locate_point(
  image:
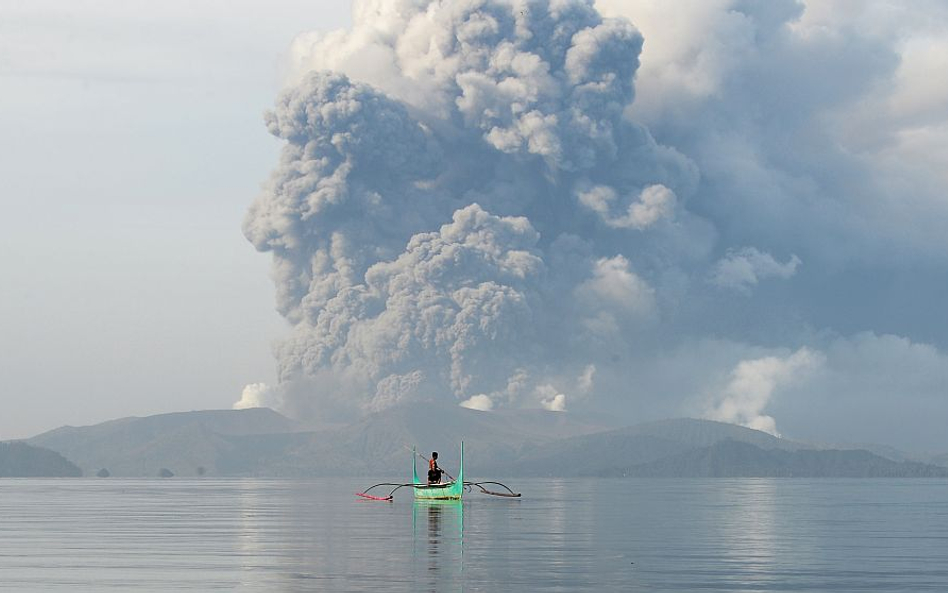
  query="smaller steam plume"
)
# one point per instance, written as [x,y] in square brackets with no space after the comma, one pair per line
[254,395]
[752,384]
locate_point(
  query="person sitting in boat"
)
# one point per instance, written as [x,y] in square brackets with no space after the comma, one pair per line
[434,472]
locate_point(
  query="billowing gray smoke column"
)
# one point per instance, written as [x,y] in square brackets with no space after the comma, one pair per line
[468,229]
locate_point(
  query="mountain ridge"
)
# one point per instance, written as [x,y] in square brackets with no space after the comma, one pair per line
[261,442]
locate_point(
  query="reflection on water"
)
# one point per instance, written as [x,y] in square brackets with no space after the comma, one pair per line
[564,535]
[249,542]
[438,543]
[748,517]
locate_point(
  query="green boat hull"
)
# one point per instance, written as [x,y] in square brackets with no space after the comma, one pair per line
[449,491]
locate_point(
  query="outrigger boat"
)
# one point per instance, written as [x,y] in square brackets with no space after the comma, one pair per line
[452,490]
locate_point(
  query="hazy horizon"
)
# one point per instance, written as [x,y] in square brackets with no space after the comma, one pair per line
[725,210]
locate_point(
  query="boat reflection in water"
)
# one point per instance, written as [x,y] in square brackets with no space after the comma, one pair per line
[438,544]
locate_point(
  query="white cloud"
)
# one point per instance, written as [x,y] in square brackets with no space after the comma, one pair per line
[616,289]
[742,269]
[654,203]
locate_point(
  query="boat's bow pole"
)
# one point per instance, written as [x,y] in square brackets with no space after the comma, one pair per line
[426,460]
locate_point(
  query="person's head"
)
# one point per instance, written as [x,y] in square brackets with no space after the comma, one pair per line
[434,454]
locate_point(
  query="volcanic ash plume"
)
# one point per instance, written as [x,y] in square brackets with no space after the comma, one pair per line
[459,206]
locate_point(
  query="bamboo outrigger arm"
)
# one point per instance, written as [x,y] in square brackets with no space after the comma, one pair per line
[509,494]
[365,493]
[468,485]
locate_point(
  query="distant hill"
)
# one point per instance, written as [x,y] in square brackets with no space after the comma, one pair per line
[141,446]
[598,454]
[890,452]
[20,460]
[261,442]
[730,458]
[939,460]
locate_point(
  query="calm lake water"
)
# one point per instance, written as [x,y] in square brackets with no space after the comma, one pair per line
[564,535]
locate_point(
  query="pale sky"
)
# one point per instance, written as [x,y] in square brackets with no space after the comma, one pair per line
[476,207]
[131,143]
